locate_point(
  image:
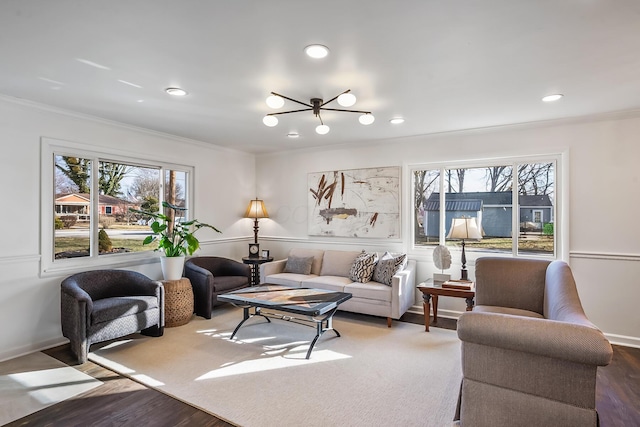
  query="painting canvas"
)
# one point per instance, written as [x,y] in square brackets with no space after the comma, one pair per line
[355,203]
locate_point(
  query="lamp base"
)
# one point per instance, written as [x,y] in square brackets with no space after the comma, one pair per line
[463,274]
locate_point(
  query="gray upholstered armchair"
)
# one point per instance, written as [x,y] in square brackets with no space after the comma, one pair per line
[211,276]
[101,305]
[529,353]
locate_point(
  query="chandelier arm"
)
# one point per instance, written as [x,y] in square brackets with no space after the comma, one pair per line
[292,111]
[346,111]
[335,97]
[291,99]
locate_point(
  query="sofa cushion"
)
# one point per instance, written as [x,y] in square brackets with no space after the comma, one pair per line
[338,263]
[329,283]
[362,267]
[370,291]
[288,279]
[298,265]
[315,253]
[387,267]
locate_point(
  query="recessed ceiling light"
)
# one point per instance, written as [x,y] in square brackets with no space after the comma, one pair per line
[293,135]
[551,98]
[175,91]
[397,120]
[316,51]
[140,100]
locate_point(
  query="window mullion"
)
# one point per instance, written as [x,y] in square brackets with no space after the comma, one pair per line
[515,209]
[94,219]
[443,210]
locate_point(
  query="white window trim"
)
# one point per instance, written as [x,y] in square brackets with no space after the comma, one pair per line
[560,211]
[51,147]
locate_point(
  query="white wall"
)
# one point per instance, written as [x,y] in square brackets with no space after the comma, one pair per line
[602,156]
[29,304]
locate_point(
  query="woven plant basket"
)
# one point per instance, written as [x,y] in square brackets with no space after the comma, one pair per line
[178,302]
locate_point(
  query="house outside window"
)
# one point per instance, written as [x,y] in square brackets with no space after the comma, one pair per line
[88,204]
[511,202]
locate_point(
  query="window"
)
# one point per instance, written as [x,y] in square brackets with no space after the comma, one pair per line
[505,199]
[87,202]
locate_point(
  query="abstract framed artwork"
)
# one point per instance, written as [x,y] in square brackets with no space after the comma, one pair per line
[355,203]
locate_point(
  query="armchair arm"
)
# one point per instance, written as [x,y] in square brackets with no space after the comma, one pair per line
[544,337]
[403,292]
[202,284]
[273,267]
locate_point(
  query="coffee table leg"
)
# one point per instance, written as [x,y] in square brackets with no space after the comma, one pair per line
[246,315]
[321,329]
[426,298]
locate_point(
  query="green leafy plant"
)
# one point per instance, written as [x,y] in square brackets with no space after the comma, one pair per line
[104,241]
[548,229]
[175,238]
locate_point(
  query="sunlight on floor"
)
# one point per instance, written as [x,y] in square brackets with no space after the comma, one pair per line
[269,362]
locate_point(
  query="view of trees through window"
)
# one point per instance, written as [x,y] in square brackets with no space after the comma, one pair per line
[119,187]
[485,194]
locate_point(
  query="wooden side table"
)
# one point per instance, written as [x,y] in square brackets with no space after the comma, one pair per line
[254,263]
[430,292]
[178,302]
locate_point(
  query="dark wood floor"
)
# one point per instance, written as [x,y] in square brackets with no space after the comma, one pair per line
[121,401]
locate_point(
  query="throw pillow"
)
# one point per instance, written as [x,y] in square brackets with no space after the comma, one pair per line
[387,267]
[298,265]
[362,268]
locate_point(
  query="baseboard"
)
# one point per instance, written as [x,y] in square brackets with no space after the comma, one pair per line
[623,340]
[31,348]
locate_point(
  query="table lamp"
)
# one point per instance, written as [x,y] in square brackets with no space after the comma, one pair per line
[255,210]
[464,228]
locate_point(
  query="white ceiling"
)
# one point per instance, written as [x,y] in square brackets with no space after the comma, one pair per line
[442,65]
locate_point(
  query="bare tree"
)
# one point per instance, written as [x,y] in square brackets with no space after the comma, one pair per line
[111,176]
[536,179]
[499,179]
[77,170]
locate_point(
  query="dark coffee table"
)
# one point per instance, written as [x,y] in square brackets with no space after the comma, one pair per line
[307,306]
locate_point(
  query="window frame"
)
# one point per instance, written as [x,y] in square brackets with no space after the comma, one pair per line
[53,147]
[559,213]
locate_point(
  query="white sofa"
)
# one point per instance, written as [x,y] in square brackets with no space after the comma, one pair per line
[330,271]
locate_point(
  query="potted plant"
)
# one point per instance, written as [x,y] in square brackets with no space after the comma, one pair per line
[175,238]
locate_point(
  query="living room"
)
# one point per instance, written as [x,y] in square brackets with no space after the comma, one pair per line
[597,152]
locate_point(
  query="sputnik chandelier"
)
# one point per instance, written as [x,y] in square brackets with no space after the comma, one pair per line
[345,99]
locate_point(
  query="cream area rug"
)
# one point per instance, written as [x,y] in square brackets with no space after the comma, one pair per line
[33,382]
[370,376]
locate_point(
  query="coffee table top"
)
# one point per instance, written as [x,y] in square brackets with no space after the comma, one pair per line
[305,301]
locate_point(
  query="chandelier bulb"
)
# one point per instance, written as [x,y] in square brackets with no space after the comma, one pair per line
[270,121]
[347,99]
[366,119]
[275,101]
[322,129]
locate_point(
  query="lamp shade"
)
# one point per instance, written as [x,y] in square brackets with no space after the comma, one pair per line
[464,228]
[256,209]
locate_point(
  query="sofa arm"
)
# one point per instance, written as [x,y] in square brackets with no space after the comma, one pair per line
[273,267]
[544,337]
[403,292]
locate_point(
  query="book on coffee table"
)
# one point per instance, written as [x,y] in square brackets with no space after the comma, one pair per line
[458,284]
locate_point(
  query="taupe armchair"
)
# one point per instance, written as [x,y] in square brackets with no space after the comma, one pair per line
[529,353]
[101,305]
[211,276]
